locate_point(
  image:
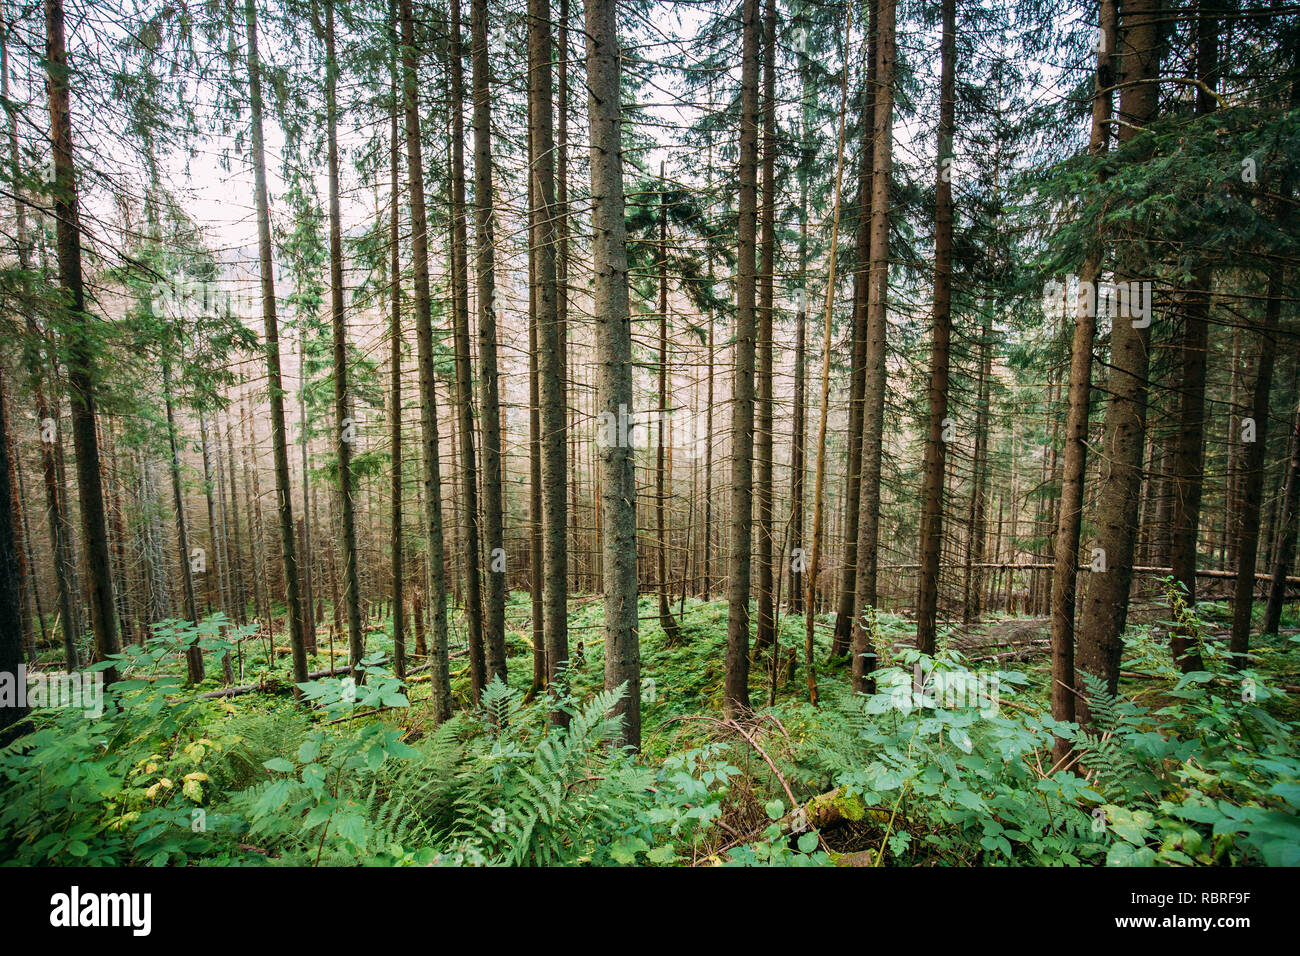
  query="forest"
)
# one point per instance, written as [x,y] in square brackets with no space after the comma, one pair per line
[655,433]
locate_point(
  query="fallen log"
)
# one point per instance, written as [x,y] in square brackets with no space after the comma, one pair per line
[830,809]
[273,686]
[859,858]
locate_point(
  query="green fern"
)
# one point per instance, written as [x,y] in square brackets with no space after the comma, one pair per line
[548,796]
[1103,750]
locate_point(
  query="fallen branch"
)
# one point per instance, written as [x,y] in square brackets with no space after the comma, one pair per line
[271,686]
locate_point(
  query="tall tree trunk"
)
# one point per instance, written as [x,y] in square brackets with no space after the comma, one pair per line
[843,636]
[535,562]
[47,412]
[1255,455]
[708,426]
[550,365]
[976,516]
[819,475]
[22,543]
[798,455]
[1243,373]
[345,427]
[239,588]
[1188,459]
[799,424]
[766,295]
[927,598]
[226,560]
[312,610]
[1075,460]
[215,558]
[562,261]
[873,411]
[1286,546]
[736,678]
[1253,476]
[253,489]
[614,353]
[11,646]
[395,543]
[670,629]
[275,388]
[79,343]
[193,655]
[489,395]
[435,565]
[1100,639]
[464,375]
[65,572]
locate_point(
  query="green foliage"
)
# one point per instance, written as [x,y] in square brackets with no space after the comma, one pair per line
[956,785]
[537,793]
[1196,769]
[129,786]
[774,847]
[1208,777]
[1105,750]
[318,792]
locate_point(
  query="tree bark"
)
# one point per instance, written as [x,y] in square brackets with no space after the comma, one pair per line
[11,645]
[22,542]
[1100,638]
[1252,483]
[238,585]
[736,678]
[819,475]
[193,655]
[666,621]
[799,423]
[1287,529]
[1075,460]
[874,394]
[614,353]
[535,520]
[489,395]
[550,364]
[707,589]
[927,598]
[464,375]
[766,294]
[396,542]
[80,350]
[47,411]
[435,565]
[1188,459]
[345,427]
[297,627]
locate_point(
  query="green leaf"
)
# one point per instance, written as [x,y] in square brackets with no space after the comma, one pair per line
[662,855]
[626,849]
[316,816]
[1290,792]
[309,750]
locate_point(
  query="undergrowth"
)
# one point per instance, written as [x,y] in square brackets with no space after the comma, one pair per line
[945,763]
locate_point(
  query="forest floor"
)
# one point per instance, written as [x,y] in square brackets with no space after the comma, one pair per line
[949,762]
